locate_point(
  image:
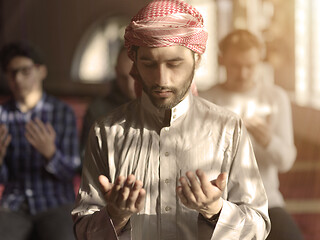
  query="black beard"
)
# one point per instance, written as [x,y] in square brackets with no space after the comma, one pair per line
[178,94]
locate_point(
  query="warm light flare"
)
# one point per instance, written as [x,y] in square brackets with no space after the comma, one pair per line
[302,47]
[94,64]
[316,47]
[307,22]
[206,73]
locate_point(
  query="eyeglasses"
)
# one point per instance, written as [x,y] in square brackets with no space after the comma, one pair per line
[25,71]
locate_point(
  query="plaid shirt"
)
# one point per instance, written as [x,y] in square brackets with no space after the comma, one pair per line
[27,175]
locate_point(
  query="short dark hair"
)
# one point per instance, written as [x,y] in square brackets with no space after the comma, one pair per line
[19,49]
[240,39]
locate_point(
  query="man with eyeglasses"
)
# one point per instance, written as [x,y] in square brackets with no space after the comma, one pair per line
[38,152]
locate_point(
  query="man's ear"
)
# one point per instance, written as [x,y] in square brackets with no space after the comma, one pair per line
[135,55]
[116,68]
[197,59]
[43,71]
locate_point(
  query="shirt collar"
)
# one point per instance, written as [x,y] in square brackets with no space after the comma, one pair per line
[175,113]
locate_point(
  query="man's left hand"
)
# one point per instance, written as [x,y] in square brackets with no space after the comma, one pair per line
[259,129]
[42,137]
[198,193]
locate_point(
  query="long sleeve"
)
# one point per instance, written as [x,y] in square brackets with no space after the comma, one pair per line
[66,159]
[244,213]
[94,227]
[281,151]
[97,224]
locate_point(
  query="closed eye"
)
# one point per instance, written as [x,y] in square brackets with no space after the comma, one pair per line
[175,63]
[148,63]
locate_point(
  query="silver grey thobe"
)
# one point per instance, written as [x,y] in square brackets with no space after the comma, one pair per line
[200,135]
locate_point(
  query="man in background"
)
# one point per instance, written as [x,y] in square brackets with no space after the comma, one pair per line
[122,91]
[38,152]
[266,111]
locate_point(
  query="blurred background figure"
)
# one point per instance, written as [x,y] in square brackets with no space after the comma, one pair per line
[38,152]
[122,91]
[266,112]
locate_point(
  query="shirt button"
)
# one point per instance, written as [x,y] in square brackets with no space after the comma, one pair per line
[167,181]
[174,116]
[166,128]
[167,208]
[166,154]
[29,192]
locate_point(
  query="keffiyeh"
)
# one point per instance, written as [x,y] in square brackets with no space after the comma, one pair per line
[164,23]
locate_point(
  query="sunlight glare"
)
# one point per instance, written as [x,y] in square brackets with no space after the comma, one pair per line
[94,64]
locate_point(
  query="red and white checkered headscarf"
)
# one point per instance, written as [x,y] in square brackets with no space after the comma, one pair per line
[164,23]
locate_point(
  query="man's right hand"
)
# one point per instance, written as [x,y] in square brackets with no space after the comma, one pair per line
[124,198]
[5,139]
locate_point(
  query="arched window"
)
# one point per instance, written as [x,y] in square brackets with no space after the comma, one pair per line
[96,54]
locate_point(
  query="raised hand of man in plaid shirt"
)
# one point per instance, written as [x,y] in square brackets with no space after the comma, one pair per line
[5,139]
[42,137]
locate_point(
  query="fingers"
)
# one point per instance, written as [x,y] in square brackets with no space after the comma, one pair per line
[138,197]
[205,183]
[32,131]
[115,191]
[126,194]
[186,190]
[40,125]
[3,131]
[141,199]
[200,189]
[7,141]
[125,191]
[257,124]
[194,183]
[260,130]
[105,184]
[221,181]
[183,199]
[36,128]
[50,129]
[5,138]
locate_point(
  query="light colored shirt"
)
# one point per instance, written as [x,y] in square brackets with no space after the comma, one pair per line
[272,104]
[200,135]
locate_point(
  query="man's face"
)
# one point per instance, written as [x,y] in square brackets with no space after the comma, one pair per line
[240,67]
[24,77]
[166,73]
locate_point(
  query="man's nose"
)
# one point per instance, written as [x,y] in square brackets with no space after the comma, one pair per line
[162,75]
[17,76]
